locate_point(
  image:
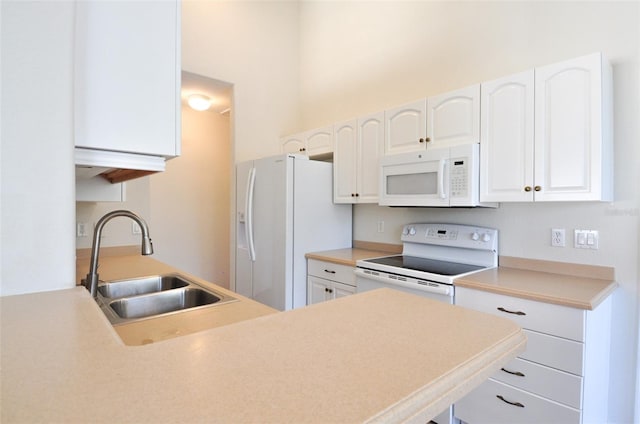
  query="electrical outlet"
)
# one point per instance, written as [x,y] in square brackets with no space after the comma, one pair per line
[135,228]
[586,239]
[82,230]
[557,237]
[381,226]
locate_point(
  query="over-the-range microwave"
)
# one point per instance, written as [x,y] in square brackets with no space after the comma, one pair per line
[439,177]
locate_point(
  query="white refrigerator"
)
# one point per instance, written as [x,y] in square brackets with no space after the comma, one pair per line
[284,209]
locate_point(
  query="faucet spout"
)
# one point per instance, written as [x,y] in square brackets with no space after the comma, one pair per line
[91,282]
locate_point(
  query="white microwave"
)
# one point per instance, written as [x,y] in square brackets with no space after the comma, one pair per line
[440,177]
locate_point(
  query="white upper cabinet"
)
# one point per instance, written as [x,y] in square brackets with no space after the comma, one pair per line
[319,141]
[506,148]
[312,143]
[406,128]
[292,143]
[547,134]
[345,167]
[370,150]
[358,146]
[127,81]
[454,118]
[573,130]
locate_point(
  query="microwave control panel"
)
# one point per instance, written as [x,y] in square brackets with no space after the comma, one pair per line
[459,177]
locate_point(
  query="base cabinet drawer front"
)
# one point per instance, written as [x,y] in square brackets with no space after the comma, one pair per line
[552,384]
[331,271]
[497,403]
[547,318]
[562,354]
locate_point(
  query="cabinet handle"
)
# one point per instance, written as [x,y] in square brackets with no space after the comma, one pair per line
[353,195]
[330,290]
[518,373]
[427,139]
[421,140]
[302,149]
[329,271]
[527,188]
[501,309]
[537,188]
[357,194]
[518,404]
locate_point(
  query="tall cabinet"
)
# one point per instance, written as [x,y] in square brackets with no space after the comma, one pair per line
[547,134]
[358,146]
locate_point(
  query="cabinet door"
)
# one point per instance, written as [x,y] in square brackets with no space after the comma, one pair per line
[292,144]
[319,141]
[341,290]
[370,150]
[406,128]
[345,162]
[572,140]
[506,142]
[317,290]
[454,118]
[127,77]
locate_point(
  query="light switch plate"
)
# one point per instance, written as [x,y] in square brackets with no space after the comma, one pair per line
[586,239]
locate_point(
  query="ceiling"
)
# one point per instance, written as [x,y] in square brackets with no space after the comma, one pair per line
[219,92]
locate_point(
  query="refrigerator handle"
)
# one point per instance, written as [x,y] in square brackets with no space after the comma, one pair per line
[249,214]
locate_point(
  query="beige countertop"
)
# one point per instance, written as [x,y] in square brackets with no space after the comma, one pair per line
[370,356]
[573,285]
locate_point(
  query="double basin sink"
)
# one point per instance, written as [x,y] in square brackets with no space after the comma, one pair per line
[125,301]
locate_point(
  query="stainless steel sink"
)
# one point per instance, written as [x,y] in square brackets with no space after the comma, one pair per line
[126,301]
[162,302]
[126,288]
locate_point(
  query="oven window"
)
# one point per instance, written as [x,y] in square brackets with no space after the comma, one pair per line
[417,183]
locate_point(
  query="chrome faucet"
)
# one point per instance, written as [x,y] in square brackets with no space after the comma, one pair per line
[91,282]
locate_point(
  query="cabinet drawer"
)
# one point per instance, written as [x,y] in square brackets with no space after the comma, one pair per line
[544,381]
[555,352]
[341,273]
[483,406]
[546,318]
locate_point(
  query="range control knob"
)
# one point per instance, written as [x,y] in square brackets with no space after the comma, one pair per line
[486,237]
[475,236]
[405,231]
[412,231]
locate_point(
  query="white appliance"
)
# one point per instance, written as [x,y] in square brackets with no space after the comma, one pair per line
[284,210]
[433,256]
[441,177]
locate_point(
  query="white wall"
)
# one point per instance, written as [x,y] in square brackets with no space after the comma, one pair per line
[254,46]
[37,177]
[361,57]
[190,200]
[118,231]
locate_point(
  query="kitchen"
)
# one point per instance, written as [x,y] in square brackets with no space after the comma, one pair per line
[462,44]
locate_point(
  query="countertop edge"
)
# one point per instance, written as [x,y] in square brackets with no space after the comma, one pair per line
[455,385]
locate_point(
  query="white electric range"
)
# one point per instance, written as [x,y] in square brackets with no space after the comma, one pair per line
[433,256]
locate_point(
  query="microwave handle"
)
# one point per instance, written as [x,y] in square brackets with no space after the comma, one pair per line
[442,179]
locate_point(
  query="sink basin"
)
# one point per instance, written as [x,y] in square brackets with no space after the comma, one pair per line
[162,302]
[126,301]
[126,288]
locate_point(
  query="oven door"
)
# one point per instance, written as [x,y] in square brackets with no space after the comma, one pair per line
[370,280]
[415,179]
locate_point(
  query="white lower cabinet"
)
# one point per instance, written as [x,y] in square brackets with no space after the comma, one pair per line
[327,281]
[561,377]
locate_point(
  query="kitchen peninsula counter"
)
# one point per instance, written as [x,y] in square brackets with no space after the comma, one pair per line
[367,357]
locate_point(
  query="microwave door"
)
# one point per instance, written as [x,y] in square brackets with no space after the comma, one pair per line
[418,180]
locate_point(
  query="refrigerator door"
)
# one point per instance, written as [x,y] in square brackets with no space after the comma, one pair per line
[244,267]
[272,231]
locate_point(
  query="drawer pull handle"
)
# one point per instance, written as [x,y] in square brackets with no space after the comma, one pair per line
[518,404]
[511,312]
[329,271]
[518,373]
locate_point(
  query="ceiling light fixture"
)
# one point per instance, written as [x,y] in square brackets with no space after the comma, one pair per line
[199,102]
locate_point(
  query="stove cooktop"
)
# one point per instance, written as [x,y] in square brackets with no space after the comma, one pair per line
[431,266]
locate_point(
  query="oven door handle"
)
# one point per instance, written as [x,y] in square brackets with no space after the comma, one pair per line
[443,289]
